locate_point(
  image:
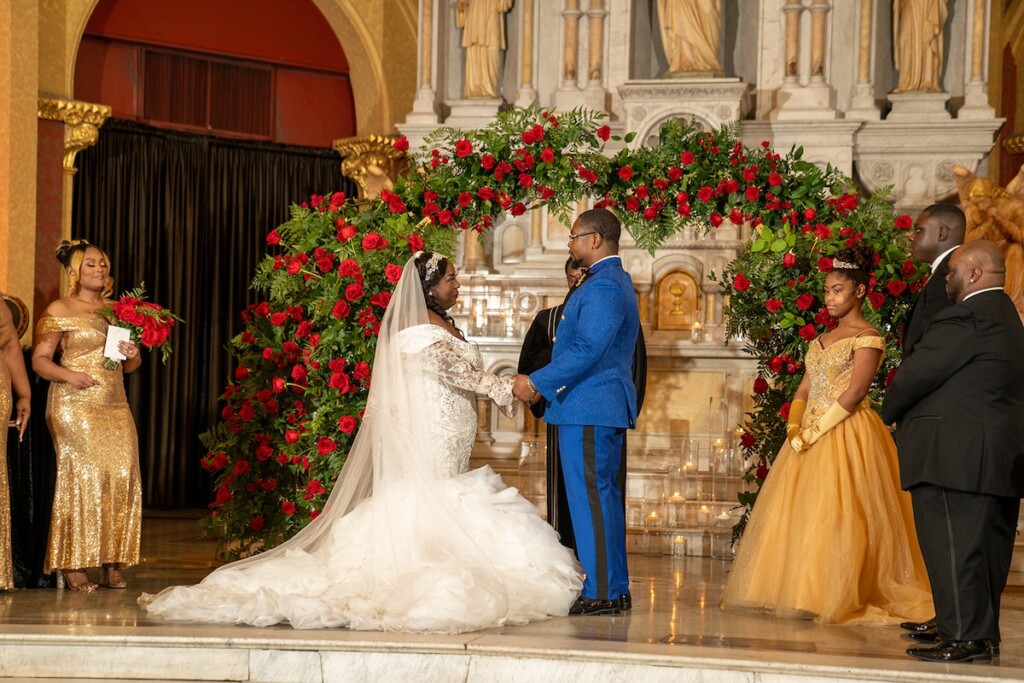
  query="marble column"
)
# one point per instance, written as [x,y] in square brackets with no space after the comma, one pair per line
[527,94]
[424,107]
[594,93]
[862,98]
[567,95]
[976,104]
[795,100]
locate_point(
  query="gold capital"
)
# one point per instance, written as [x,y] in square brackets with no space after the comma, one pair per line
[82,121]
[370,161]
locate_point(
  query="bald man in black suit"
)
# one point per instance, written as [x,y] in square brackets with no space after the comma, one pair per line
[958,402]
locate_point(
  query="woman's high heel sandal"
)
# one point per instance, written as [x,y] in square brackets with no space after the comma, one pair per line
[78,580]
[112,580]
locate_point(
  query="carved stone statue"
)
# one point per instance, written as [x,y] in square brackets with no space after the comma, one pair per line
[691,31]
[997,214]
[483,36]
[917,43]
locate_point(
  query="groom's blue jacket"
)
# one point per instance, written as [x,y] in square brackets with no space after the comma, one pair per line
[589,380]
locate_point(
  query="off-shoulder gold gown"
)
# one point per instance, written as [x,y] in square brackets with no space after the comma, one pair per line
[97,501]
[6,571]
[832,535]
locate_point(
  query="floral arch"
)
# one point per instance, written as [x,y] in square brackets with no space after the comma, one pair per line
[303,361]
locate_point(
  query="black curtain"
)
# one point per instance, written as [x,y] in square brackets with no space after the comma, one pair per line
[188,215]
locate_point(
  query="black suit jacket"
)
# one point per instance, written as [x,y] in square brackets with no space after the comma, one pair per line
[958,400]
[929,303]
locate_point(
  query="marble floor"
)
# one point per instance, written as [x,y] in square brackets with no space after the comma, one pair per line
[675,632]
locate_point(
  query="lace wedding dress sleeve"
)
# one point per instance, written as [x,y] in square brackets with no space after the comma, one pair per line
[457,364]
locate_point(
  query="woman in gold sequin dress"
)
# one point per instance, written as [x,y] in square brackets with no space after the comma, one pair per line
[12,374]
[832,535]
[97,503]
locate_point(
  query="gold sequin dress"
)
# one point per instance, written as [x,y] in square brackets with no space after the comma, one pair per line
[97,501]
[6,572]
[832,537]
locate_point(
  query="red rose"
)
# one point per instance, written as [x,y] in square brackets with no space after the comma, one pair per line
[908,269]
[896,287]
[288,507]
[354,292]
[241,372]
[278,319]
[775,364]
[374,241]
[465,199]
[773,305]
[487,161]
[485,194]
[752,193]
[784,410]
[346,232]
[604,132]
[774,179]
[525,180]
[241,467]
[822,231]
[361,371]
[715,219]
[625,172]
[877,299]
[415,244]
[393,272]
[740,283]
[704,194]
[518,209]
[747,440]
[650,213]
[273,238]
[824,264]
[810,214]
[788,260]
[278,384]
[444,217]
[339,381]
[256,523]
[347,424]
[761,472]
[675,173]
[382,299]
[904,223]
[291,436]
[152,337]
[463,148]
[341,309]
[808,332]
[686,158]
[325,445]
[760,385]
[401,144]
[804,301]
[548,155]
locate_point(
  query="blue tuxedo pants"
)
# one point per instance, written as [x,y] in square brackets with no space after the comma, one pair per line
[590,459]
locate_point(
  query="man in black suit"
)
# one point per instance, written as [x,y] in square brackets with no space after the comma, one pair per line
[958,401]
[939,230]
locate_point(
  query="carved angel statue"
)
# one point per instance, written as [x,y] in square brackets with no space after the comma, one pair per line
[997,214]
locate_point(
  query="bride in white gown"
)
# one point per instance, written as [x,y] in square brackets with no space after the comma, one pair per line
[409,539]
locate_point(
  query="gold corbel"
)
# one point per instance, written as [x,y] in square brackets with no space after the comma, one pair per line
[369,161]
[82,122]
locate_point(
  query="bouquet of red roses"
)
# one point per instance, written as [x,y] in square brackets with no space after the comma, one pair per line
[148,324]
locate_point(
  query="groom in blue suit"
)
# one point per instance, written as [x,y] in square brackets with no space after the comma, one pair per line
[590,395]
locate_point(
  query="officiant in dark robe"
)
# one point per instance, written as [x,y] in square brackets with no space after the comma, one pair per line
[535,354]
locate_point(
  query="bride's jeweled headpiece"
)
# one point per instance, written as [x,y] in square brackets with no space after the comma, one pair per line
[433,263]
[843,265]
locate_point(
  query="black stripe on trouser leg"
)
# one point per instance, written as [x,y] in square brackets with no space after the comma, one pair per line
[596,514]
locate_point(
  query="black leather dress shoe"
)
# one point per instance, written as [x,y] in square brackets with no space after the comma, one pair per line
[956,651]
[625,602]
[918,626]
[590,607]
[924,636]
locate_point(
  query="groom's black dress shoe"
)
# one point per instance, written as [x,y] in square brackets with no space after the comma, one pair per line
[918,626]
[925,636]
[625,602]
[956,651]
[589,607]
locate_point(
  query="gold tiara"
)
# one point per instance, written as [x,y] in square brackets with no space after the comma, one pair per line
[843,265]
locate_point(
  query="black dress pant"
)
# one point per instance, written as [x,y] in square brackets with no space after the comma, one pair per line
[967,543]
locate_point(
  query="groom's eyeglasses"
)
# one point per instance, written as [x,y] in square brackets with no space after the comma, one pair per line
[581,234]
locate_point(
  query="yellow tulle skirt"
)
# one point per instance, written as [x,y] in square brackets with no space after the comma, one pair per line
[832,537]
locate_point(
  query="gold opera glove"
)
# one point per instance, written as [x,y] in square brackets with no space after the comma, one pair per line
[796,416]
[832,417]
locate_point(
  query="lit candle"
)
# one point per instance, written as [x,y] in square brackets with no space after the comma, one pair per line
[695,331]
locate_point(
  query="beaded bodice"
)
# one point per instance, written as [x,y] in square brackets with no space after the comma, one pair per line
[830,369]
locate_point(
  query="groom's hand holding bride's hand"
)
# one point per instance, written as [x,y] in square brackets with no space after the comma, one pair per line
[523,389]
